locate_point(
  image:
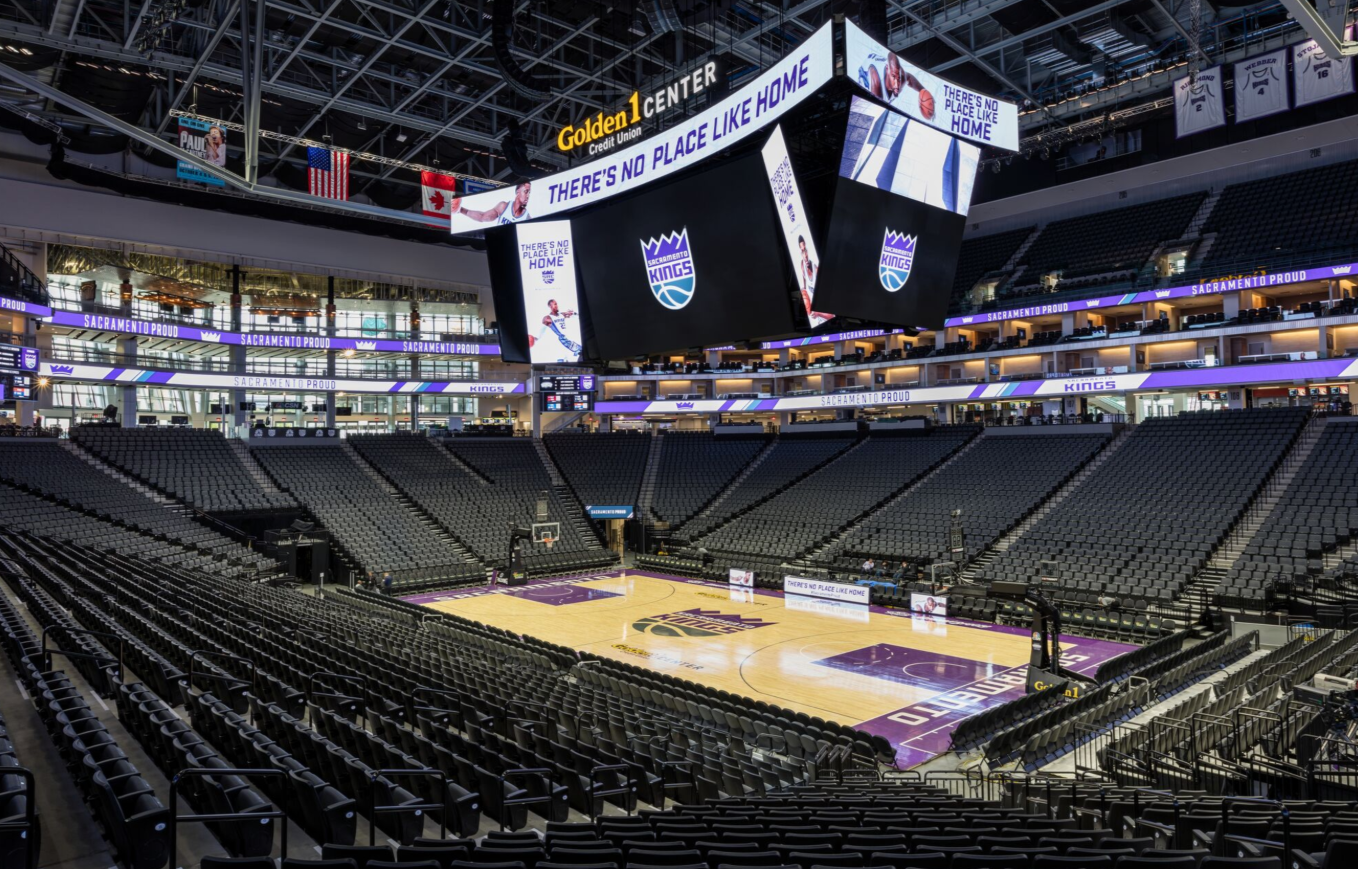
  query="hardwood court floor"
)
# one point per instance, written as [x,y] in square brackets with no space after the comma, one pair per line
[910,679]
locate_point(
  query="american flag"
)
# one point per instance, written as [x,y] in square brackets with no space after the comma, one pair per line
[328,173]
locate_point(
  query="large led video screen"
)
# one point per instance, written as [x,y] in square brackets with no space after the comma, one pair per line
[552,310]
[691,262]
[792,216]
[889,151]
[506,286]
[533,280]
[896,220]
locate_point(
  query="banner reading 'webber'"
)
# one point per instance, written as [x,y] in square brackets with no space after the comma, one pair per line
[780,88]
[926,97]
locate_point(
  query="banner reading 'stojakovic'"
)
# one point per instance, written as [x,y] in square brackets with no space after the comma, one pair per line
[780,88]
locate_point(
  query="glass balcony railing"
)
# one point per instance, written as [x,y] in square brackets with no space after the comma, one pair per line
[367,369]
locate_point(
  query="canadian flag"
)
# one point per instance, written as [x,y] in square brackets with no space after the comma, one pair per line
[440,194]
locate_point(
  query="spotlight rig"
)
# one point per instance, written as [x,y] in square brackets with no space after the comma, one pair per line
[155,23]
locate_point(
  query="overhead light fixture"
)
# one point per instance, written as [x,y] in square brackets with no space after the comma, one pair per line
[638,26]
[401,135]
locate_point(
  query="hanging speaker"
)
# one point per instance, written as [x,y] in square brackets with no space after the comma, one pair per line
[661,15]
[522,82]
[515,150]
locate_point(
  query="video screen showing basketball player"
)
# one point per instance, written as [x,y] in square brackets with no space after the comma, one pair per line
[556,321]
[510,211]
[806,280]
[888,84]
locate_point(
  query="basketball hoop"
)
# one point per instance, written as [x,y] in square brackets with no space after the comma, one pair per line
[546,533]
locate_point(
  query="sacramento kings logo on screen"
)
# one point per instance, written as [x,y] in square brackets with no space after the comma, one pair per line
[898,255]
[669,268]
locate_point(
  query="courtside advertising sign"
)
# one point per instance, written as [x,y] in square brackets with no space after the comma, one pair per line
[550,299]
[928,604]
[743,578]
[782,87]
[926,97]
[826,589]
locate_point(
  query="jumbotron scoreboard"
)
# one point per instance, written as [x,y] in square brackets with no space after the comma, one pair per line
[566,393]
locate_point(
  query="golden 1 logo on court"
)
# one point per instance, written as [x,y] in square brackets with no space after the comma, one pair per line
[697,623]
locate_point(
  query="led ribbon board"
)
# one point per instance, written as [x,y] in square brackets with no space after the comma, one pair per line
[925,97]
[1206,288]
[265,383]
[266,340]
[780,88]
[1014,390]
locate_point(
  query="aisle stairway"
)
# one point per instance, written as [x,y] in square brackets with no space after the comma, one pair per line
[1204,585]
[646,499]
[979,564]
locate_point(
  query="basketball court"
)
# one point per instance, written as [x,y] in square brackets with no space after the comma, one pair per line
[907,677]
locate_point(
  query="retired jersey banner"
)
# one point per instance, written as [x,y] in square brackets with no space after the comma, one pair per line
[1317,78]
[206,142]
[1261,86]
[1198,105]
[927,97]
[780,88]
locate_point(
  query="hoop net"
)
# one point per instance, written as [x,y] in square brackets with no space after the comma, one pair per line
[549,541]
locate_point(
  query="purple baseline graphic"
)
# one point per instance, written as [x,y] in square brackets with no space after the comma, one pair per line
[560,595]
[553,592]
[923,730]
[910,666]
[918,732]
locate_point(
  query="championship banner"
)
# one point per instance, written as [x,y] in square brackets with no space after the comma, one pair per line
[1317,78]
[205,141]
[1199,105]
[801,247]
[926,97]
[780,88]
[1261,86]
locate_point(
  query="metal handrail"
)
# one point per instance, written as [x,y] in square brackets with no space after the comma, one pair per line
[29,824]
[419,809]
[81,656]
[196,654]
[222,817]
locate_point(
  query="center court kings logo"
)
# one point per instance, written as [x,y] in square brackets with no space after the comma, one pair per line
[898,255]
[669,268]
